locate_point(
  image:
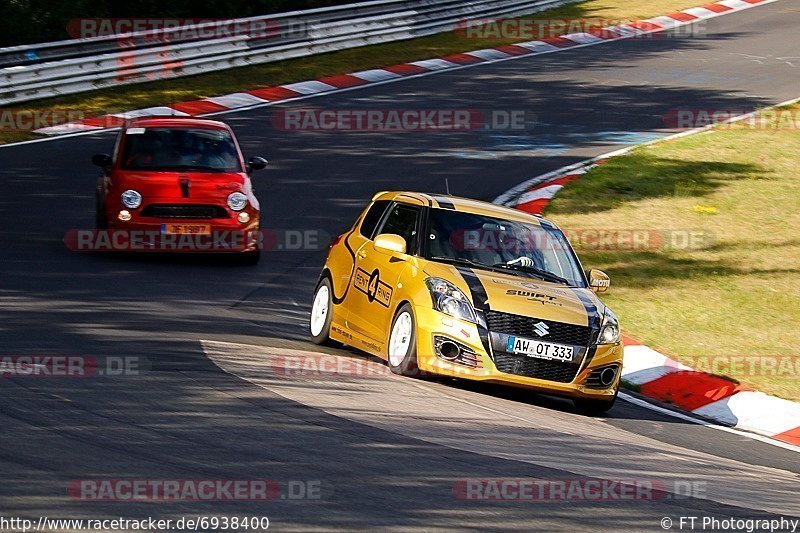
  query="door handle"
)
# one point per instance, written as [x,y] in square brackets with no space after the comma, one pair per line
[362,254]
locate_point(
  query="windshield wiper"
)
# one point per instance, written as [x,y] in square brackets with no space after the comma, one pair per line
[544,274]
[462,261]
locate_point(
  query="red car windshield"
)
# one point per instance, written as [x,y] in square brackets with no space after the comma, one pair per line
[165,149]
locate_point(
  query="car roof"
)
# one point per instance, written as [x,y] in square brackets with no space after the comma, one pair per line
[176,122]
[457,203]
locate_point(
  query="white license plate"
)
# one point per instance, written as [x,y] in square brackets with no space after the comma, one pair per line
[540,350]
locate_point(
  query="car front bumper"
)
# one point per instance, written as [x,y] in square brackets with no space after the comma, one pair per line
[223,235]
[432,324]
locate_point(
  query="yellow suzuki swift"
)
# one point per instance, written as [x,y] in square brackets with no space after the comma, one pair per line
[463,288]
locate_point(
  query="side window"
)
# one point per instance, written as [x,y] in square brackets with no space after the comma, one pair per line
[402,220]
[372,218]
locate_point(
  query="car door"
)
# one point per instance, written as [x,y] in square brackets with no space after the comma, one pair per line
[377,272]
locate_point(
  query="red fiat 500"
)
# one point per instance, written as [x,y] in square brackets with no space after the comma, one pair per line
[179,184]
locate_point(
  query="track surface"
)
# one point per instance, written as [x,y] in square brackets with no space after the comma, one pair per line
[386,450]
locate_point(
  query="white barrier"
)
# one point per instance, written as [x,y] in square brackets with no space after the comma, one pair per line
[145,56]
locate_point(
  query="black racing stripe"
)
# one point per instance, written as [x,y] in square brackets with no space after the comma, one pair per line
[588,359]
[480,299]
[591,310]
[444,203]
[352,252]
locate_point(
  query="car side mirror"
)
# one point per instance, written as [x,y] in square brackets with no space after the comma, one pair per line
[101,160]
[599,280]
[389,242]
[256,163]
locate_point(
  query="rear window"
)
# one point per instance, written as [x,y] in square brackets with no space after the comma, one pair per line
[167,149]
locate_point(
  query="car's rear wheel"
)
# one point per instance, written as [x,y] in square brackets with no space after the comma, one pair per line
[595,407]
[402,349]
[322,313]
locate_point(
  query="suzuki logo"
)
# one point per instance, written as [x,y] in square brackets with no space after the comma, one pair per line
[541,329]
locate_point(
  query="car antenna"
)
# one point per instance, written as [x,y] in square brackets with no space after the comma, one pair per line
[447,186]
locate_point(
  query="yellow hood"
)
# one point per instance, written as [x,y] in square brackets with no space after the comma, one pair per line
[527,296]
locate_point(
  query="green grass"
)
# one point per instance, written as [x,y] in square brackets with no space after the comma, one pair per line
[738,294]
[127,97]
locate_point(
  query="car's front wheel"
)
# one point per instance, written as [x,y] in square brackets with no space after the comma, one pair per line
[595,407]
[402,350]
[322,313]
[250,258]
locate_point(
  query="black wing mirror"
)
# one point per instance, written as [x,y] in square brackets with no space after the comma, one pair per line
[256,163]
[102,160]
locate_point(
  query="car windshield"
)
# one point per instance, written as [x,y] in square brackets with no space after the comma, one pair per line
[164,149]
[519,248]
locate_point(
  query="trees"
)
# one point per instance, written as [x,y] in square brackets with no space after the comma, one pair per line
[33,21]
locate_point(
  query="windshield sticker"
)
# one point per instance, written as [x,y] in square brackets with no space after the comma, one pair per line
[135,131]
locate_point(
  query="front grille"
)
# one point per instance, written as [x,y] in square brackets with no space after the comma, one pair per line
[184,211]
[524,326]
[530,367]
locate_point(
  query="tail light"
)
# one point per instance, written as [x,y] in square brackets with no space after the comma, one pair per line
[337,240]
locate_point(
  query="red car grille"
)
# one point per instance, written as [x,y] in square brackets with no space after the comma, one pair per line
[184,211]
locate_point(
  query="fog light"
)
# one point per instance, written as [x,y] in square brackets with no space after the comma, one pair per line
[124,215]
[243,218]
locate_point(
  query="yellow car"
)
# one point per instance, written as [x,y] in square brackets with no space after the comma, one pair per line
[456,287]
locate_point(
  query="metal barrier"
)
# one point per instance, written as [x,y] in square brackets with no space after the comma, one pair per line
[64,67]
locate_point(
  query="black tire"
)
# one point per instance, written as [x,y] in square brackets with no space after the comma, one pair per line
[408,365]
[250,258]
[595,407]
[324,336]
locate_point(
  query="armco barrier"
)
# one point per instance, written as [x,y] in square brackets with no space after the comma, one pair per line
[65,67]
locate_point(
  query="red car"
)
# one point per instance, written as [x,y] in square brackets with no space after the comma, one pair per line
[179,184]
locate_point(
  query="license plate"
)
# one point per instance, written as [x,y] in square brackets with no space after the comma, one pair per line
[541,350]
[182,229]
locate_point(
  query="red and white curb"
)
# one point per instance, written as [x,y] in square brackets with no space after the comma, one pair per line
[271,95]
[655,375]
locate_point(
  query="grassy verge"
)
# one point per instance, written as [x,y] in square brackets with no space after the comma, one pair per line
[731,304]
[162,92]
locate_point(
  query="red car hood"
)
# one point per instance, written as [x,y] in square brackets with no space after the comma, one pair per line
[164,185]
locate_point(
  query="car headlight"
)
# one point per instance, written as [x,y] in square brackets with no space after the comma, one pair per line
[609,332]
[448,299]
[131,199]
[237,201]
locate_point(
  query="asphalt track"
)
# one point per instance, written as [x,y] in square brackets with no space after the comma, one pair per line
[386,451]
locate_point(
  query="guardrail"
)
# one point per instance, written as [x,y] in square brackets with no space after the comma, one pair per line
[65,67]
